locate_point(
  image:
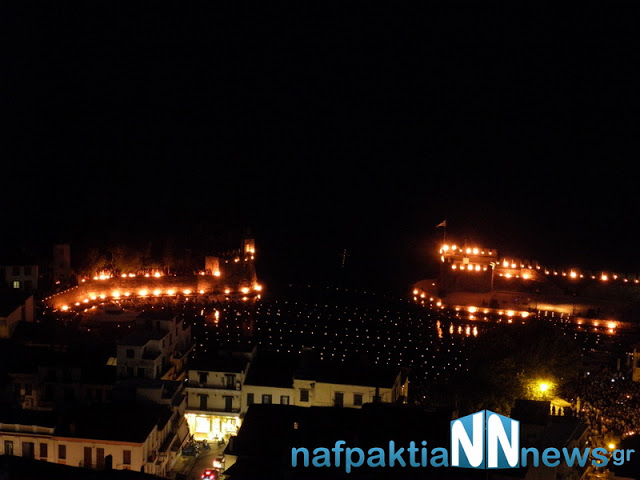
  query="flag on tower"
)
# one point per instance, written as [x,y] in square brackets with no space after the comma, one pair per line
[442,224]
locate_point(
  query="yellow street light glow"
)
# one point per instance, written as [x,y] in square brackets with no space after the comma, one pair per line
[415,291]
[245,290]
[604,277]
[258,288]
[146,275]
[86,300]
[157,292]
[131,275]
[573,274]
[543,387]
[216,273]
[187,292]
[157,274]
[454,247]
[445,248]
[469,267]
[612,446]
[510,313]
[124,275]
[611,325]
[524,314]
[127,294]
[453,267]
[468,250]
[143,293]
[103,296]
[475,251]
[473,309]
[65,308]
[505,264]
[115,294]
[201,291]
[95,278]
[508,275]
[171,292]
[477,268]
[526,276]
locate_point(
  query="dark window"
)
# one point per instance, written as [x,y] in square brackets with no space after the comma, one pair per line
[28,284]
[304,395]
[129,371]
[203,377]
[69,394]
[231,381]
[250,399]
[28,389]
[338,399]
[87,457]
[17,389]
[130,353]
[62,452]
[141,372]
[266,398]
[228,403]
[357,399]
[48,393]
[27,449]
[284,399]
[100,458]
[27,270]
[8,447]
[203,401]
[126,457]
[44,451]
[16,271]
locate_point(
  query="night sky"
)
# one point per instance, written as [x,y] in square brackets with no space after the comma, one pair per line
[320,128]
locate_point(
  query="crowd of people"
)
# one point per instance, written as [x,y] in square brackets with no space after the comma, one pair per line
[609,402]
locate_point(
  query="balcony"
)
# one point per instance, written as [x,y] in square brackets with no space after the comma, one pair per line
[215,410]
[233,387]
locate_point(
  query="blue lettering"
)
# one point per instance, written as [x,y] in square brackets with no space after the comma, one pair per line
[376,457]
[550,454]
[325,457]
[294,456]
[439,457]
[599,454]
[395,455]
[575,455]
[348,462]
[536,456]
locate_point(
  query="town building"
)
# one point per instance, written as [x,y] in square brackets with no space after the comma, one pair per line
[158,347]
[15,307]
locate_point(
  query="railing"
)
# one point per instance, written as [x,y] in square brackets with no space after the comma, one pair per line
[212,409]
[234,387]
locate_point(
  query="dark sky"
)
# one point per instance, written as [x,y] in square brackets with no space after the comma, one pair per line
[322,128]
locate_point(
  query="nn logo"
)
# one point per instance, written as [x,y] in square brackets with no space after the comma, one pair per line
[485,440]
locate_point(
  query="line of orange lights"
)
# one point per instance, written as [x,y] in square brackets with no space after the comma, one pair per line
[143,292]
[572,273]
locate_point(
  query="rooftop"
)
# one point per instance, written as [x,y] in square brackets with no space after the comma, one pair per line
[218,363]
[272,370]
[138,338]
[10,300]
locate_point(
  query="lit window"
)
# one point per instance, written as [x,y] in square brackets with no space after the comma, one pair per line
[16,284]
